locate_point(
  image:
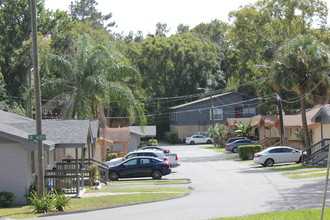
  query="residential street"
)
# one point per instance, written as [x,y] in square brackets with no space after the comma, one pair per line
[222,188]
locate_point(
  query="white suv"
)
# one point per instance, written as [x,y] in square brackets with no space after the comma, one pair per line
[149,153]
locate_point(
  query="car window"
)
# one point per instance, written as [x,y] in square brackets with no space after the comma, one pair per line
[131,155]
[286,150]
[149,154]
[145,161]
[276,150]
[131,162]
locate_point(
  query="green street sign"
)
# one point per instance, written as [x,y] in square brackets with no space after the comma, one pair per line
[36,137]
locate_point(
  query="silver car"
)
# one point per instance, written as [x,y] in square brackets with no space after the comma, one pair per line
[198,139]
[234,145]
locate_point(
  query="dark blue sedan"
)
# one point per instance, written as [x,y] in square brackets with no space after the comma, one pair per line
[140,167]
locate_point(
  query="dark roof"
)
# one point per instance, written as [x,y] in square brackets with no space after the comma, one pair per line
[206,99]
[69,132]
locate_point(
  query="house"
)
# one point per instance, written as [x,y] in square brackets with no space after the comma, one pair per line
[317,122]
[138,133]
[195,117]
[18,154]
[263,128]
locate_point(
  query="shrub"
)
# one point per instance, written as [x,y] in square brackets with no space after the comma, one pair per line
[246,152]
[43,204]
[60,201]
[93,173]
[171,137]
[111,156]
[152,142]
[6,199]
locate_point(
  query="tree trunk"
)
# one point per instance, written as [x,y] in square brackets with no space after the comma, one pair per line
[303,118]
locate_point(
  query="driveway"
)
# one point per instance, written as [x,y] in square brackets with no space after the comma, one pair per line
[222,188]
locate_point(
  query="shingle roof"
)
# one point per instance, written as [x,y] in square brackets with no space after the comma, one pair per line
[296,121]
[144,131]
[115,135]
[57,132]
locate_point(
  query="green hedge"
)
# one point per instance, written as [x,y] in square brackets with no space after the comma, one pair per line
[111,156]
[246,152]
[6,199]
[171,137]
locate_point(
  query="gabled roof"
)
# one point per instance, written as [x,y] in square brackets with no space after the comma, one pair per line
[145,131]
[205,99]
[67,132]
[296,121]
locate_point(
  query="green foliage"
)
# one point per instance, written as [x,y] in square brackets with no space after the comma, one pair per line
[152,142]
[244,129]
[94,173]
[44,204]
[111,156]
[218,135]
[49,202]
[6,199]
[171,137]
[246,152]
[60,201]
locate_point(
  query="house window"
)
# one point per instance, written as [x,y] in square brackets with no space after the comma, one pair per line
[249,111]
[217,114]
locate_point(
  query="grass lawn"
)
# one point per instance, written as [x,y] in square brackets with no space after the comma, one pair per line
[90,203]
[288,215]
[183,189]
[217,149]
[149,182]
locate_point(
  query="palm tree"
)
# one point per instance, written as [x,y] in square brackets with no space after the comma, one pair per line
[90,79]
[300,67]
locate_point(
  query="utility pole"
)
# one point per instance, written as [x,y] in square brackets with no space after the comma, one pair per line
[279,102]
[209,83]
[40,151]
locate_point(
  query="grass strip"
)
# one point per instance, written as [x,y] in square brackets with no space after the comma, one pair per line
[304,171]
[149,182]
[91,203]
[292,167]
[306,176]
[217,149]
[311,214]
[184,189]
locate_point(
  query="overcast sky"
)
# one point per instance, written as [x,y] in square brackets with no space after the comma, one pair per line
[144,14]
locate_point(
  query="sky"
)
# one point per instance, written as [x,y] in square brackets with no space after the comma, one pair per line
[135,15]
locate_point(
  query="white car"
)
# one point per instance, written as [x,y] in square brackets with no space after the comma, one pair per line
[198,139]
[280,154]
[149,153]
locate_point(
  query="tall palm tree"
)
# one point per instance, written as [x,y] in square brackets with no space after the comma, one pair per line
[90,79]
[301,66]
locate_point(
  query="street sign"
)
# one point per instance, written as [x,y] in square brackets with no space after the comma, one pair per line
[36,137]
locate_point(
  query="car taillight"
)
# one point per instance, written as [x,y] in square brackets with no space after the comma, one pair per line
[258,155]
[176,157]
[165,159]
[166,163]
[228,145]
[167,151]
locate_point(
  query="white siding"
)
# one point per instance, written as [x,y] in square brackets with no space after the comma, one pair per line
[15,170]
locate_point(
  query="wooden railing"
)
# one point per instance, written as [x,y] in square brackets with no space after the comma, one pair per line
[67,176]
[317,152]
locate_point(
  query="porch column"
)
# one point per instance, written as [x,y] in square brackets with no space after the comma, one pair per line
[77,173]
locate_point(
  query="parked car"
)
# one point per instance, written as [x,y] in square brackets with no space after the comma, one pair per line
[230,140]
[280,154]
[235,144]
[149,153]
[140,167]
[198,139]
[166,151]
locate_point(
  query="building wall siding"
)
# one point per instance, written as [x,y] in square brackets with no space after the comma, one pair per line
[15,170]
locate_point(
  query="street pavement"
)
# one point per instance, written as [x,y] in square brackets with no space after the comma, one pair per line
[222,188]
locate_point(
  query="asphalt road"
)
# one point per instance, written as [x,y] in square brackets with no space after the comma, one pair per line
[222,188]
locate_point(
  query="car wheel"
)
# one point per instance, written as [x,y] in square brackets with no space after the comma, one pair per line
[192,142]
[209,142]
[300,160]
[234,150]
[113,176]
[156,175]
[269,162]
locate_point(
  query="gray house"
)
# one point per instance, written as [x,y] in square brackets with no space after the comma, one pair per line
[18,154]
[195,117]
